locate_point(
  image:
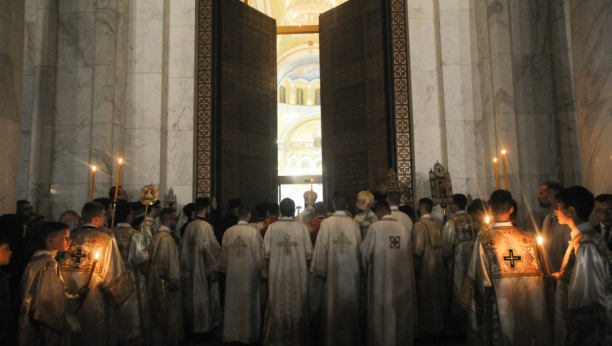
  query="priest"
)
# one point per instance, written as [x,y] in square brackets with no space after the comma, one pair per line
[133,317]
[457,244]
[478,212]
[110,284]
[310,198]
[199,261]
[430,273]
[242,262]
[262,215]
[314,226]
[386,255]
[366,217]
[583,299]
[273,211]
[163,285]
[149,225]
[337,260]
[555,235]
[287,251]
[504,285]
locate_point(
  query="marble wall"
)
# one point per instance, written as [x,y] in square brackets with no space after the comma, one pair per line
[11,79]
[591,28]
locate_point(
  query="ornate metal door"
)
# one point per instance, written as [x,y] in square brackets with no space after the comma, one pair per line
[364,95]
[236,152]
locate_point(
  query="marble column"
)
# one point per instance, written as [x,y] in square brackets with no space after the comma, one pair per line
[11,79]
[591,23]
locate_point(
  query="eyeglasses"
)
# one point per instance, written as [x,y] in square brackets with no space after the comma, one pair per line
[604,211]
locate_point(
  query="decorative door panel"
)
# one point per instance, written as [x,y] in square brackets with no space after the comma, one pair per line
[364,96]
[236,120]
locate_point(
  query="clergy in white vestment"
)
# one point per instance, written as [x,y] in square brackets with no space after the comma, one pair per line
[310,199]
[287,251]
[110,286]
[504,285]
[337,260]
[243,264]
[555,235]
[432,290]
[416,239]
[386,255]
[200,257]
[164,285]
[47,311]
[457,245]
[583,312]
[366,217]
[133,317]
[149,225]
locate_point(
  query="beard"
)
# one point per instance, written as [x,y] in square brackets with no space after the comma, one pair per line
[543,204]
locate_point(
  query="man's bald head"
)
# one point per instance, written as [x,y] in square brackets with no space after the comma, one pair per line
[71,219]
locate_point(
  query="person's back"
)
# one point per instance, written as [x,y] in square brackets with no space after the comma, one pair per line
[242,262]
[386,254]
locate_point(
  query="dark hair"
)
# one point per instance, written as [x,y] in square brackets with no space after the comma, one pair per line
[604,198]
[22,201]
[406,209]
[106,202]
[580,198]
[477,205]
[382,207]
[427,203]
[272,208]
[156,204]
[287,207]
[321,208]
[91,210]
[111,192]
[243,211]
[553,187]
[199,208]
[260,209]
[4,239]
[45,230]
[460,200]
[124,209]
[500,201]
[340,201]
[378,196]
[394,198]
[515,211]
[187,209]
[166,214]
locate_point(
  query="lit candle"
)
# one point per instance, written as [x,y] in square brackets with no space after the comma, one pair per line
[488,220]
[311,181]
[91,188]
[543,254]
[496,174]
[118,177]
[93,267]
[505,173]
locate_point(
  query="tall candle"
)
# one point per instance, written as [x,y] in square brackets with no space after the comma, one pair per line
[93,178]
[496,174]
[93,267]
[118,177]
[311,181]
[505,172]
[543,253]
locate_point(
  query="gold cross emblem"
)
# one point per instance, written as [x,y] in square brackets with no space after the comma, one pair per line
[287,244]
[240,246]
[512,259]
[341,243]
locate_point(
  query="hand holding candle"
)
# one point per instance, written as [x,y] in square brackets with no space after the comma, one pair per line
[505,172]
[93,267]
[91,188]
[545,268]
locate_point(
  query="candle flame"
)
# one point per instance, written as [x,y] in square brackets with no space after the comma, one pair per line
[311,180]
[504,152]
[97,255]
[120,160]
[93,168]
[540,241]
[487,219]
[495,159]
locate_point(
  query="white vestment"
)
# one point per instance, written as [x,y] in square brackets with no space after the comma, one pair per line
[307,215]
[365,219]
[583,311]
[48,312]
[337,259]
[243,264]
[149,229]
[386,252]
[505,287]
[133,317]
[288,249]
[200,257]
[418,244]
[556,238]
[166,306]
[457,245]
[110,287]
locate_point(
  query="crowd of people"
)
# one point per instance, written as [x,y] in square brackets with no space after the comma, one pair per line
[266,275]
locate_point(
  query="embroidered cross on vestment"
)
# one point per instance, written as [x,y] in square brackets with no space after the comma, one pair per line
[342,242]
[287,244]
[240,246]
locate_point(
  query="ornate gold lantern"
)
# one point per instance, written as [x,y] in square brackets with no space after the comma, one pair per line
[170,199]
[393,184]
[441,186]
[148,196]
